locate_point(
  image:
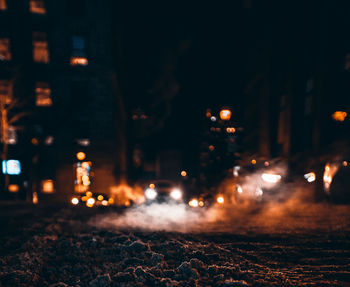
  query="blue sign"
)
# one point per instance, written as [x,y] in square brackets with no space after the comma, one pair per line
[11,166]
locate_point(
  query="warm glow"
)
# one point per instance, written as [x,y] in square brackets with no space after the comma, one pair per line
[40,48]
[266,163]
[208,113]
[240,189]
[183,173]
[220,199]
[81,155]
[253,161]
[225,114]
[100,197]
[35,141]
[78,61]
[13,188]
[84,198]
[75,201]
[201,203]
[271,178]
[211,147]
[5,52]
[35,198]
[329,172]
[310,177]
[3,5]
[152,186]
[47,186]
[259,192]
[6,91]
[104,202]
[230,130]
[43,94]
[345,163]
[90,202]
[110,200]
[37,6]
[339,116]
[89,194]
[176,194]
[193,203]
[86,180]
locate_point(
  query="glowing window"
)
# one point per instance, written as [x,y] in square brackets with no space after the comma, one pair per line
[5,53]
[43,94]
[11,166]
[5,91]
[37,6]
[78,51]
[40,48]
[3,5]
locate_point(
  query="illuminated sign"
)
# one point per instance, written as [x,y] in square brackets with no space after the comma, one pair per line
[11,166]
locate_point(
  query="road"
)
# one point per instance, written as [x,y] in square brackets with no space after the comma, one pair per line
[304,245]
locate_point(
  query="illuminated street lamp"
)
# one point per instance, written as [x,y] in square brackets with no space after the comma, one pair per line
[225,114]
[81,155]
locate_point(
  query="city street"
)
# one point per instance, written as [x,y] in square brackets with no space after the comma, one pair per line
[229,246]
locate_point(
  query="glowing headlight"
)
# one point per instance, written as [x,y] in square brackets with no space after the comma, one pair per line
[75,200]
[90,202]
[104,202]
[271,178]
[239,189]
[151,193]
[176,194]
[220,199]
[193,203]
[310,177]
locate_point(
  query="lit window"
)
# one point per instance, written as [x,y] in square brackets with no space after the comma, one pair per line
[40,48]
[3,5]
[5,91]
[5,53]
[11,135]
[37,6]
[43,94]
[78,51]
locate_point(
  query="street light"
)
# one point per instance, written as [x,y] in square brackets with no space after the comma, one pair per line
[225,114]
[81,155]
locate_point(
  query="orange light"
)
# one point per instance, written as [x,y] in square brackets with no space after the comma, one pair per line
[110,200]
[13,188]
[84,198]
[152,186]
[253,161]
[230,130]
[201,203]
[81,155]
[211,147]
[339,116]
[100,197]
[35,141]
[183,173]
[35,198]
[78,61]
[193,203]
[104,202]
[225,114]
[89,194]
[208,113]
[345,163]
[220,199]
[266,163]
[47,186]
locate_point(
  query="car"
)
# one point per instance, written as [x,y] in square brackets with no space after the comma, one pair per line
[91,199]
[163,191]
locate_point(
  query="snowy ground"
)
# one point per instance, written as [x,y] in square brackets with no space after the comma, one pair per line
[261,245]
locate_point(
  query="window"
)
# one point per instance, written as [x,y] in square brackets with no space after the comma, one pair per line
[40,48]
[5,91]
[3,5]
[37,6]
[43,94]
[78,51]
[5,53]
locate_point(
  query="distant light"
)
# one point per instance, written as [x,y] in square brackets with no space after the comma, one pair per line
[345,163]
[201,203]
[35,141]
[310,177]
[75,201]
[89,194]
[339,116]
[100,197]
[183,173]
[81,155]
[235,170]
[152,186]
[193,203]
[176,194]
[240,189]
[230,130]
[35,198]
[49,140]
[220,199]
[225,114]
[13,188]
[84,198]
[104,202]
[208,113]
[213,119]
[111,200]
[79,61]
[83,142]
[11,166]
[271,178]
[90,202]
[211,147]
[47,186]
[253,161]
[266,163]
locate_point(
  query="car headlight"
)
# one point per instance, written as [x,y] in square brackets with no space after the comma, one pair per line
[151,193]
[270,177]
[220,199]
[176,194]
[193,203]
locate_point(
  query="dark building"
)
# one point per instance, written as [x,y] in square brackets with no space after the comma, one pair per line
[56,57]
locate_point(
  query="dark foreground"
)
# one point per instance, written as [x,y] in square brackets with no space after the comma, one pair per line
[59,246]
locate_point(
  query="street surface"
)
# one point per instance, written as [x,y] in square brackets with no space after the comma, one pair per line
[256,245]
